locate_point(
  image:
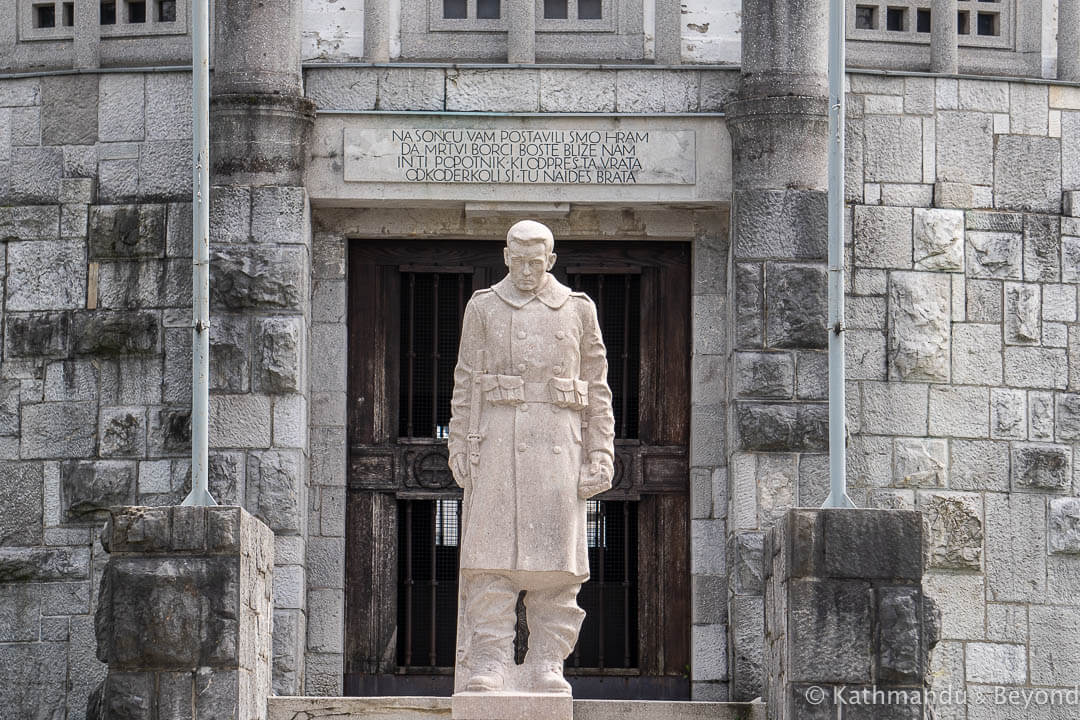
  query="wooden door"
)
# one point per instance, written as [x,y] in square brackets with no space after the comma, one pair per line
[406,299]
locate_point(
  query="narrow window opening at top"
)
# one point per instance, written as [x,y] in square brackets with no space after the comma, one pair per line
[108,13]
[454,9]
[166,11]
[136,12]
[896,19]
[488,9]
[556,9]
[962,23]
[865,17]
[44,16]
[69,14]
[987,24]
[922,20]
[590,9]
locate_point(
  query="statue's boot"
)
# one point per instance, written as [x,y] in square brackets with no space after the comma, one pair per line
[548,677]
[489,677]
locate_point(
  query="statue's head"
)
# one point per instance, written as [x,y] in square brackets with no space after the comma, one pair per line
[529,254]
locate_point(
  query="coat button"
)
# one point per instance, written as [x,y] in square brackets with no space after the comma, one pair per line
[521,335]
[523,407]
[521,367]
[560,335]
[522,447]
[556,449]
[557,369]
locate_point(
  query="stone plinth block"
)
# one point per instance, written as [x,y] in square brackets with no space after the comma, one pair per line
[184,614]
[844,606]
[512,706]
[919,326]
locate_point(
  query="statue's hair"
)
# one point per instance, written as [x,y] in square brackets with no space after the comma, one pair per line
[529,232]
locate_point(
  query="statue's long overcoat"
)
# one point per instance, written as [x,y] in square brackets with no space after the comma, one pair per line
[523,352]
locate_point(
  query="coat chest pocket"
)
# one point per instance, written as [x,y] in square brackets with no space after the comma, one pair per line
[569,393]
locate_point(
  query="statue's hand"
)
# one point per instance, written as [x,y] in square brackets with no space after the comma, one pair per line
[459,466]
[595,477]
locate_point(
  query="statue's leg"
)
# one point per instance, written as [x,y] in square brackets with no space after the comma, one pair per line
[554,622]
[489,619]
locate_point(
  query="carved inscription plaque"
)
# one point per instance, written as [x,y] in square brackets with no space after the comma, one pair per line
[519,156]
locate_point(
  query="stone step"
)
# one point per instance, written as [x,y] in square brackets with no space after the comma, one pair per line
[438,708]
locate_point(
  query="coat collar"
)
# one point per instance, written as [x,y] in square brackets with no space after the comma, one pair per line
[553,293]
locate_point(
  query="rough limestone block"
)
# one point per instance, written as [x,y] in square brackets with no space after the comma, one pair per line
[229,353]
[652,91]
[46,275]
[411,89]
[782,427]
[122,432]
[995,254]
[121,102]
[1066,417]
[920,462]
[749,307]
[996,663]
[168,106]
[577,91]
[780,223]
[882,237]
[899,655]
[1027,109]
[764,375]
[21,521]
[979,465]
[493,90]
[69,110]
[230,214]
[1008,414]
[1070,258]
[239,421]
[165,170]
[33,686]
[984,95]
[894,408]
[938,240]
[919,316]
[279,347]
[830,630]
[107,333]
[1055,655]
[35,175]
[1040,415]
[58,430]
[1042,247]
[961,597]
[1064,525]
[88,488]
[1027,173]
[38,335]
[1023,314]
[1059,303]
[890,140]
[959,411]
[1036,367]
[343,88]
[1042,467]
[257,276]
[279,215]
[976,354]
[748,629]
[956,530]
[274,483]
[965,147]
[796,301]
[126,231]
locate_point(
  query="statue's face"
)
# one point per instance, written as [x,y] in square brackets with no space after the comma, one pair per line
[527,263]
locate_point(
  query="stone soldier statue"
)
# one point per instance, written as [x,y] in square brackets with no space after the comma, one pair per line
[531,438]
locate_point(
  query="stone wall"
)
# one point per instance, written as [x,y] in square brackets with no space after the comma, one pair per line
[95,226]
[963,357]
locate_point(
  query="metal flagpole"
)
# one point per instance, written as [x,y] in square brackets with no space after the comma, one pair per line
[200,207]
[838,497]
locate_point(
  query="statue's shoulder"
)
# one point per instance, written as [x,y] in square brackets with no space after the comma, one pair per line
[580,300]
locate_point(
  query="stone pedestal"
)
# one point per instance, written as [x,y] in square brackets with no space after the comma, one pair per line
[511,706]
[845,615]
[184,615]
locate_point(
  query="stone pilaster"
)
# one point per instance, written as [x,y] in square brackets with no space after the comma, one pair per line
[184,615]
[846,621]
[778,417]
